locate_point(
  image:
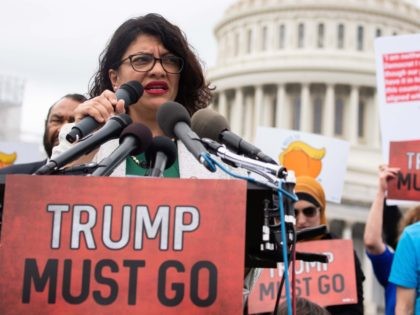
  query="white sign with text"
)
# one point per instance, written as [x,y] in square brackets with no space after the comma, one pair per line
[308,154]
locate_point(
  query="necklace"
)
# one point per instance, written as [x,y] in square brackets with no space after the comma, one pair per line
[142,164]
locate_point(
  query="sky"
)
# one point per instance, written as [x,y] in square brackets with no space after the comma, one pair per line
[54,45]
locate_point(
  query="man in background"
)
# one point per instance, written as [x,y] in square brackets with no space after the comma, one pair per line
[60,113]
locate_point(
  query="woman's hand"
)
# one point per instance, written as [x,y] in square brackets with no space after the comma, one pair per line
[101,107]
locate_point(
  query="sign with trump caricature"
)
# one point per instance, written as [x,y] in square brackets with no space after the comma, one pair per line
[308,154]
[18,152]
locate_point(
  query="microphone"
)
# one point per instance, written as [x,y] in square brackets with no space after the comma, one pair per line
[175,121]
[134,139]
[110,130]
[160,155]
[130,92]
[209,124]
[259,167]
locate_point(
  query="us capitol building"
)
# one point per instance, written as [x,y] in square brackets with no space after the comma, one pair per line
[309,65]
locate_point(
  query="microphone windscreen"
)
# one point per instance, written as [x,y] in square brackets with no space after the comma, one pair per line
[207,123]
[130,92]
[169,114]
[141,133]
[164,145]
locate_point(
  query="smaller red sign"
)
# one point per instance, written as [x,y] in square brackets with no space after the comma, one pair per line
[406,156]
[333,283]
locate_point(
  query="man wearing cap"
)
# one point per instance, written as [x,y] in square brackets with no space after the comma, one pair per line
[310,212]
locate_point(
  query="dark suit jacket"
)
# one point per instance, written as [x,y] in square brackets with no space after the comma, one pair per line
[24,168]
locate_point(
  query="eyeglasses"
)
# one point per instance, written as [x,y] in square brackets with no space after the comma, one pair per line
[309,212]
[145,62]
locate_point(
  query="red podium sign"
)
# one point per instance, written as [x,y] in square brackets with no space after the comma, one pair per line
[86,245]
[333,283]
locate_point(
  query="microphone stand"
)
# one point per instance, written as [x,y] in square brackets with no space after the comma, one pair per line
[82,169]
[271,172]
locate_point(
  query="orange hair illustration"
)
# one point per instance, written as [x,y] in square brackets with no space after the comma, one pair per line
[302,158]
[7,159]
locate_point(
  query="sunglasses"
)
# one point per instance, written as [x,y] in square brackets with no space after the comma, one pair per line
[307,212]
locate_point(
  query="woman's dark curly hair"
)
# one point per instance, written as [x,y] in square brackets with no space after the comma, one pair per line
[193,92]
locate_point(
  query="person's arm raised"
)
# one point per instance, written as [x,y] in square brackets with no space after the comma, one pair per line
[373,230]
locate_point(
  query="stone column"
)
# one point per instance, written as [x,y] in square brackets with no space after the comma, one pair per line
[282,118]
[328,119]
[268,110]
[353,115]
[305,113]
[249,117]
[258,104]
[236,112]
[376,141]
[369,286]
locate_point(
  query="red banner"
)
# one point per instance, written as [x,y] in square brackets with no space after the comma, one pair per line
[332,283]
[87,245]
[406,156]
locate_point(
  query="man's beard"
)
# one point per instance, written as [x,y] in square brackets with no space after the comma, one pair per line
[48,146]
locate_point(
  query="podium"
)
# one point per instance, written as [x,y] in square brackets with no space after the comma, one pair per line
[73,244]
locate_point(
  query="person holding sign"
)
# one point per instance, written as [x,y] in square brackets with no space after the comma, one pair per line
[310,211]
[405,271]
[379,253]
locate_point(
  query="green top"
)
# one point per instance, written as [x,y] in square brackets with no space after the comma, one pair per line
[133,167]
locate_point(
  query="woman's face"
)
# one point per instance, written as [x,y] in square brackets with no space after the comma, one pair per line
[307,215]
[159,86]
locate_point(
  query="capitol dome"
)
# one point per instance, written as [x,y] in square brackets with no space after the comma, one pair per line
[309,65]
